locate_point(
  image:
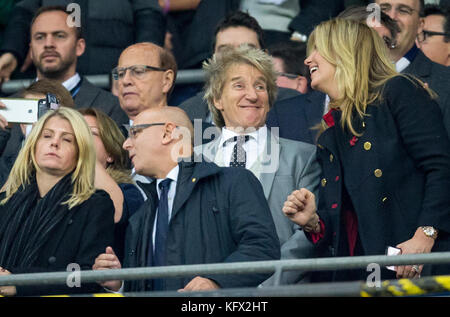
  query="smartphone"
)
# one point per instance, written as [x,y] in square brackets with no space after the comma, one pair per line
[392,251]
[19,110]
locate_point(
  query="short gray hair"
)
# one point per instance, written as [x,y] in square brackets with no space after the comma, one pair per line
[216,74]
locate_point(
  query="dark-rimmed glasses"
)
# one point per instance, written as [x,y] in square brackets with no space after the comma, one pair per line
[134,130]
[426,34]
[136,71]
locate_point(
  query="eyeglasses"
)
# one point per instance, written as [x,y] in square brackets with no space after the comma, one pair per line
[134,130]
[425,34]
[288,75]
[136,71]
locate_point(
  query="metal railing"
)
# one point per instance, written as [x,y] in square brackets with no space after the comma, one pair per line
[186,76]
[316,264]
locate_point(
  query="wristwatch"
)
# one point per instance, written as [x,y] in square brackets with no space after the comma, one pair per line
[430,232]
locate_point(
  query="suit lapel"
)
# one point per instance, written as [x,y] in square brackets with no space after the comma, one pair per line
[86,95]
[185,186]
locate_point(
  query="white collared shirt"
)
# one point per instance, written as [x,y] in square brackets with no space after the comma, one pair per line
[401,64]
[253,147]
[72,82]
[173,175]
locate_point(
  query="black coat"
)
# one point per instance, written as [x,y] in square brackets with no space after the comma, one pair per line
[397,173]
[83,234]
[219,215]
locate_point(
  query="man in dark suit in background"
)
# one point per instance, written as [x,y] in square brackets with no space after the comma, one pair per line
[296,116]
[55,48]
[409,59]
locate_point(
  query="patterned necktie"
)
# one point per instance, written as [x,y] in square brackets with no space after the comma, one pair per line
[162,227]
[238,157]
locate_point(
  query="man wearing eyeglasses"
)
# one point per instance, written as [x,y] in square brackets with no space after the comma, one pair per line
[409,59]
[197,212]
[434,40]
[146,74]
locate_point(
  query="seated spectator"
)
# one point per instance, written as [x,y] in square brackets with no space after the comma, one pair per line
[409,59]
[197,212]
[288,60]
[51,215]
[234,30]
[14,134]
[112,173]
[110,26]
[240,90]
[434,39]
[381,156]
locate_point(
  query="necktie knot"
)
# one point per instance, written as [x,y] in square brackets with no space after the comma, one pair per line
[240,139]
[238,157]
[165,184]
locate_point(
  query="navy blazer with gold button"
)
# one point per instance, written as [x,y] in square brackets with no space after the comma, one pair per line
[397,173]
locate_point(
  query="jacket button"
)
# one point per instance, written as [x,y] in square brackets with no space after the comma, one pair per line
[70,221]
[51,260]
[367,146]
[331,157]
[384,199]
[378,173]
[323,182]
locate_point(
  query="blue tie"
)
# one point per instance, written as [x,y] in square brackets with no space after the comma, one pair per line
[162,226]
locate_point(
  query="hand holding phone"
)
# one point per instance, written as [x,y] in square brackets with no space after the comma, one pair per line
[392,251]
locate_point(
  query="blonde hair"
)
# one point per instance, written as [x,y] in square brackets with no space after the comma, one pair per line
[362,64]
[216,69]
[25,165]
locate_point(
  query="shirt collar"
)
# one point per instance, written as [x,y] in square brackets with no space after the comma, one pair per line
[173,175]
[257,135]
[72,82]
[404,62]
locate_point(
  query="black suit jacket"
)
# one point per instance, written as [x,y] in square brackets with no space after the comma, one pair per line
[437,77]
[296,116]
[95,97]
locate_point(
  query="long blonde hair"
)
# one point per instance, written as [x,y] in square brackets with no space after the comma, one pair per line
[25,165]
[362,64]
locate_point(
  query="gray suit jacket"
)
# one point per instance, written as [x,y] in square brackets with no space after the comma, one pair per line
[437,77]
[95,97]
[297,167]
